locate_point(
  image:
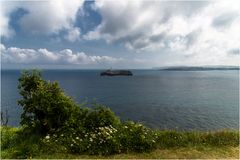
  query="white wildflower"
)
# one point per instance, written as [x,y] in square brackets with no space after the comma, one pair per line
[47,137]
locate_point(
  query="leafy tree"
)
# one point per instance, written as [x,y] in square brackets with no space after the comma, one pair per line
[45,106]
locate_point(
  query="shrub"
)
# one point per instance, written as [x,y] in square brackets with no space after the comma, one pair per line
[101,141]
[135,137]
[8,137]
[45,106]
[15,142]
[100,116]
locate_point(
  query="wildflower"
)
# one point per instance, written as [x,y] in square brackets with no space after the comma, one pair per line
[93,135]
[125,127]
[47,137]
[71,145]
[77,137]
[153,141]
[61,135]
[91,139]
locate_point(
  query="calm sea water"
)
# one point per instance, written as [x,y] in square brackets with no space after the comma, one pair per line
[184,100]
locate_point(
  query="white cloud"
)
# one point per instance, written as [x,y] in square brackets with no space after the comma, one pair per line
[175,28]
[73,34]
[15,55]
[42,17]
[187,32]
[130,20]
[5,11]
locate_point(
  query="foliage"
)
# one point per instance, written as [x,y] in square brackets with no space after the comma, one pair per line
[14,141]
[136,137]
[101,141]
[8,137]
[45,106]
[100,116]
[171,138]
[15,145]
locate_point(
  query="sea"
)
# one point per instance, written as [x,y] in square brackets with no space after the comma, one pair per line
[178,100]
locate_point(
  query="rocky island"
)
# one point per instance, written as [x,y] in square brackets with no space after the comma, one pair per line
[116,73]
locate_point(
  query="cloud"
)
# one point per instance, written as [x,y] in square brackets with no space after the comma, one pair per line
[186,28]
[234,51]
[42,17]
[5,11]
[73,34]
[15,55]
[225,19]
[134,18]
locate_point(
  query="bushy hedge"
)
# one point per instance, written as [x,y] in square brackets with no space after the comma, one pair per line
[48,112]
[15,145]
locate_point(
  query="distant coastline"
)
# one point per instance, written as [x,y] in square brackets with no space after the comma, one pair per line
[198,68]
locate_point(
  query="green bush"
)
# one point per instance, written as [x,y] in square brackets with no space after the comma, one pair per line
[100,116]
[8,137]
[45,106]
[14,140]
[100,141]
[135,137]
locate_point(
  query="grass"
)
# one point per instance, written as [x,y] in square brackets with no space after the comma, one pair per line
[170,144]
[173,153]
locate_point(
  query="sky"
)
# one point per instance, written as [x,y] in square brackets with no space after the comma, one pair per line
[102,34]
